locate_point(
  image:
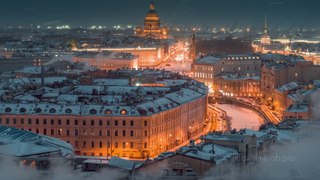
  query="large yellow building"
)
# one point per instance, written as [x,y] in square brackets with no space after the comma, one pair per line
[152,26]
[111,118]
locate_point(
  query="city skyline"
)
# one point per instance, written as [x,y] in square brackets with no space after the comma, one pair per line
[247,13]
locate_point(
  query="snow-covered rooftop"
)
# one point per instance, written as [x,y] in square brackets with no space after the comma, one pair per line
[21,143]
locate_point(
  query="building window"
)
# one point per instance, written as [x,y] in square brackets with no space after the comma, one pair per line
[108,123]
[21,121]
[108,144]
[108,132]
[76,122]
[145,123]
[92,144]
[116,122]
[100,133]
[52,131]
[44,131]
[59,121]
[100,122]
[84,144]
[84,123]
[68,122]
[0,120]
[68,132]
[116,133]
[52,122]
[131,145]
[131,123]
[124,133]
[145,145]
[124,145]
[123,122]
[131,133]
[76,132]
[92,123]
[44,121]
[100,144]
[29,121]
[37,131]
[145,133]
[116,145]
[7,121]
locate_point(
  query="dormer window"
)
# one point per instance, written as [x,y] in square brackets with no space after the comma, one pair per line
[108,112]
[93,111]
[123,112]
[7,109]
[52,110]
[68,111]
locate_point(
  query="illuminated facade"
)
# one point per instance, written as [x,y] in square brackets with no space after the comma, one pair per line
[283,70]
[233,85]
[110,118]
[148,56]
[207,68]
[152,26]
[108,60]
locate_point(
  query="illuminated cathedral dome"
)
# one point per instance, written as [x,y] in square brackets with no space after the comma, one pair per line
[152,26]
[152,13]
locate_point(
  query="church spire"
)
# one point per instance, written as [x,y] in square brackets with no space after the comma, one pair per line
[265,25]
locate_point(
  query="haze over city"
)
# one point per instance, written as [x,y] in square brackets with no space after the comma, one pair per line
[285,14]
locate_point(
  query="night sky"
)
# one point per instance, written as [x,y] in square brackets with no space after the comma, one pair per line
[281,13]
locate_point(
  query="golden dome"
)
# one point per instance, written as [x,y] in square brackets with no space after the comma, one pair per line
[152,14]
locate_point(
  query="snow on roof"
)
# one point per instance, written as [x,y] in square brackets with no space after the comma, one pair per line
[71,98]
[111,82]
[209,60]
[183,95]
[27,97]
[121,163]
[87,89]
[96,161]
[209,152]
[16,142]
[157,105]
[30,70]
[289,86]
[172,82]
[284,136]
[224,137]
[298,108]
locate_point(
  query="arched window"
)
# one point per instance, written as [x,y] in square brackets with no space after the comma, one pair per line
[93,111]
[108,112]
[123,112]
[7,109]
[68,111]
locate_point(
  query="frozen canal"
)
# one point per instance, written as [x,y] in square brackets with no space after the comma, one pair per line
[241,117]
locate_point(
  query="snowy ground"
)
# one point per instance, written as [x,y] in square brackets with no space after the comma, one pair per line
[241,117]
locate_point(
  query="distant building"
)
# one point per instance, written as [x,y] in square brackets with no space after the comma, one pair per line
[152,26]
[280,70]
[147,56]
[233,85]
[206,69]
[107,60]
